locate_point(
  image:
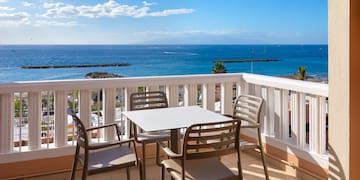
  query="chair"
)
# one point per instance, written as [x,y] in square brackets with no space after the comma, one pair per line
[143,101]
[203,144]
[247,109]
[102,157]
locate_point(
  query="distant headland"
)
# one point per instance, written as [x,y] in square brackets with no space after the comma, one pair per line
[74,66]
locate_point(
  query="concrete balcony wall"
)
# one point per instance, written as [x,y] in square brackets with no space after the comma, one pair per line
[293,118]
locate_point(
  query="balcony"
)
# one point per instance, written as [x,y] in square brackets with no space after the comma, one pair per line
[35,127]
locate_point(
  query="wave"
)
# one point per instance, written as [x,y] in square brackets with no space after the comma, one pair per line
[180,53]
[63,76]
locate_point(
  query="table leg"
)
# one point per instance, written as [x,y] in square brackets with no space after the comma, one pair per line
[175,139]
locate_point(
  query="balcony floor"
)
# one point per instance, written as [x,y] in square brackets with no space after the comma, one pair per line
[252,169]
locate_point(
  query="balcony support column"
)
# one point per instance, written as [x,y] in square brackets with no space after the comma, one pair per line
[6,122]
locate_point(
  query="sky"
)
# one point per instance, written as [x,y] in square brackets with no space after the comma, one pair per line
[163,22]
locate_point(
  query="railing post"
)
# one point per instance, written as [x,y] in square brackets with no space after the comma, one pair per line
[322,125]
[270,111]
[257,91]
[277,114]
[294,118]
[172,92]
[84,106]
[109,104]
[314,124]
[226,97]
[60,118]
[209,96]
[284,115]
[127,92]
[302,121]
[6,122]
[34,120]
[190,94]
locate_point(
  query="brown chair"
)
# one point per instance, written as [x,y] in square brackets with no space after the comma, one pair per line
[203,144]
[143,101]
[101,157]
[247,109]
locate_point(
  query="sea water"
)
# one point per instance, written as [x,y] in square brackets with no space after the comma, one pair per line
[158,60]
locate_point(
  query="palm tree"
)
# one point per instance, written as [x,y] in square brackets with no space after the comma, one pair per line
[218,68]
[301,73]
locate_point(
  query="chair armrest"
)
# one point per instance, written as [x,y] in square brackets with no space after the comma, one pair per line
[168,151]
[228,115]
[99,127]
[109,144]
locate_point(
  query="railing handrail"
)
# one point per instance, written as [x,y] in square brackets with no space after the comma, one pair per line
[314,88]
[29,86]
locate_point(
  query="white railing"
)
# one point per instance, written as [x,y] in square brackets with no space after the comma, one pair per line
[34,122]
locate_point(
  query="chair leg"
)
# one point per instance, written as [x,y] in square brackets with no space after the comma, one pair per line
[73,171]
[128,173]
[140,171]
[144,161]
[262,155]
[157,154]
[162,172]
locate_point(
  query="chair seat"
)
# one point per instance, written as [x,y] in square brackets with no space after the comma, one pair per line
[110,158]
[149,137]
[206,169]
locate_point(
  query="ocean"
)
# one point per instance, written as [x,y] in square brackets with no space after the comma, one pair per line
[158,60]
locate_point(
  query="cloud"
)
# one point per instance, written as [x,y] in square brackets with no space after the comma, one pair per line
[26,4]
[5,8]
[14,19]
[107,9]
[55,23]
[3,1]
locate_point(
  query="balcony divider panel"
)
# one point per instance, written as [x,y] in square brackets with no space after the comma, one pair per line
[6,122]
[60,118]
[226,97]
[109,104]
[34,120]
[152,88]
[208,96]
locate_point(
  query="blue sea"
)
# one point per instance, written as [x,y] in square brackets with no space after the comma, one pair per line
[157,60]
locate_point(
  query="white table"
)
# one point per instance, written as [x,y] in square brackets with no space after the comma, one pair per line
[173,118]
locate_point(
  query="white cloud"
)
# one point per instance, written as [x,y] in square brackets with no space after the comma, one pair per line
[26,4]
[55,23]
[108,9]
[3,1]
[14,19]
[5,8]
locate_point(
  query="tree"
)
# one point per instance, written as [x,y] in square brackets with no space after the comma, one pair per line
[301,73]
[218,68]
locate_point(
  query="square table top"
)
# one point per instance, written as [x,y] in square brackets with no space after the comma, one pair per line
[172,117]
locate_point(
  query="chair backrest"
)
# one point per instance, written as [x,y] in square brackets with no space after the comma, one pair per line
[248,108]
[148,100]
[81,134]
[211,140]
